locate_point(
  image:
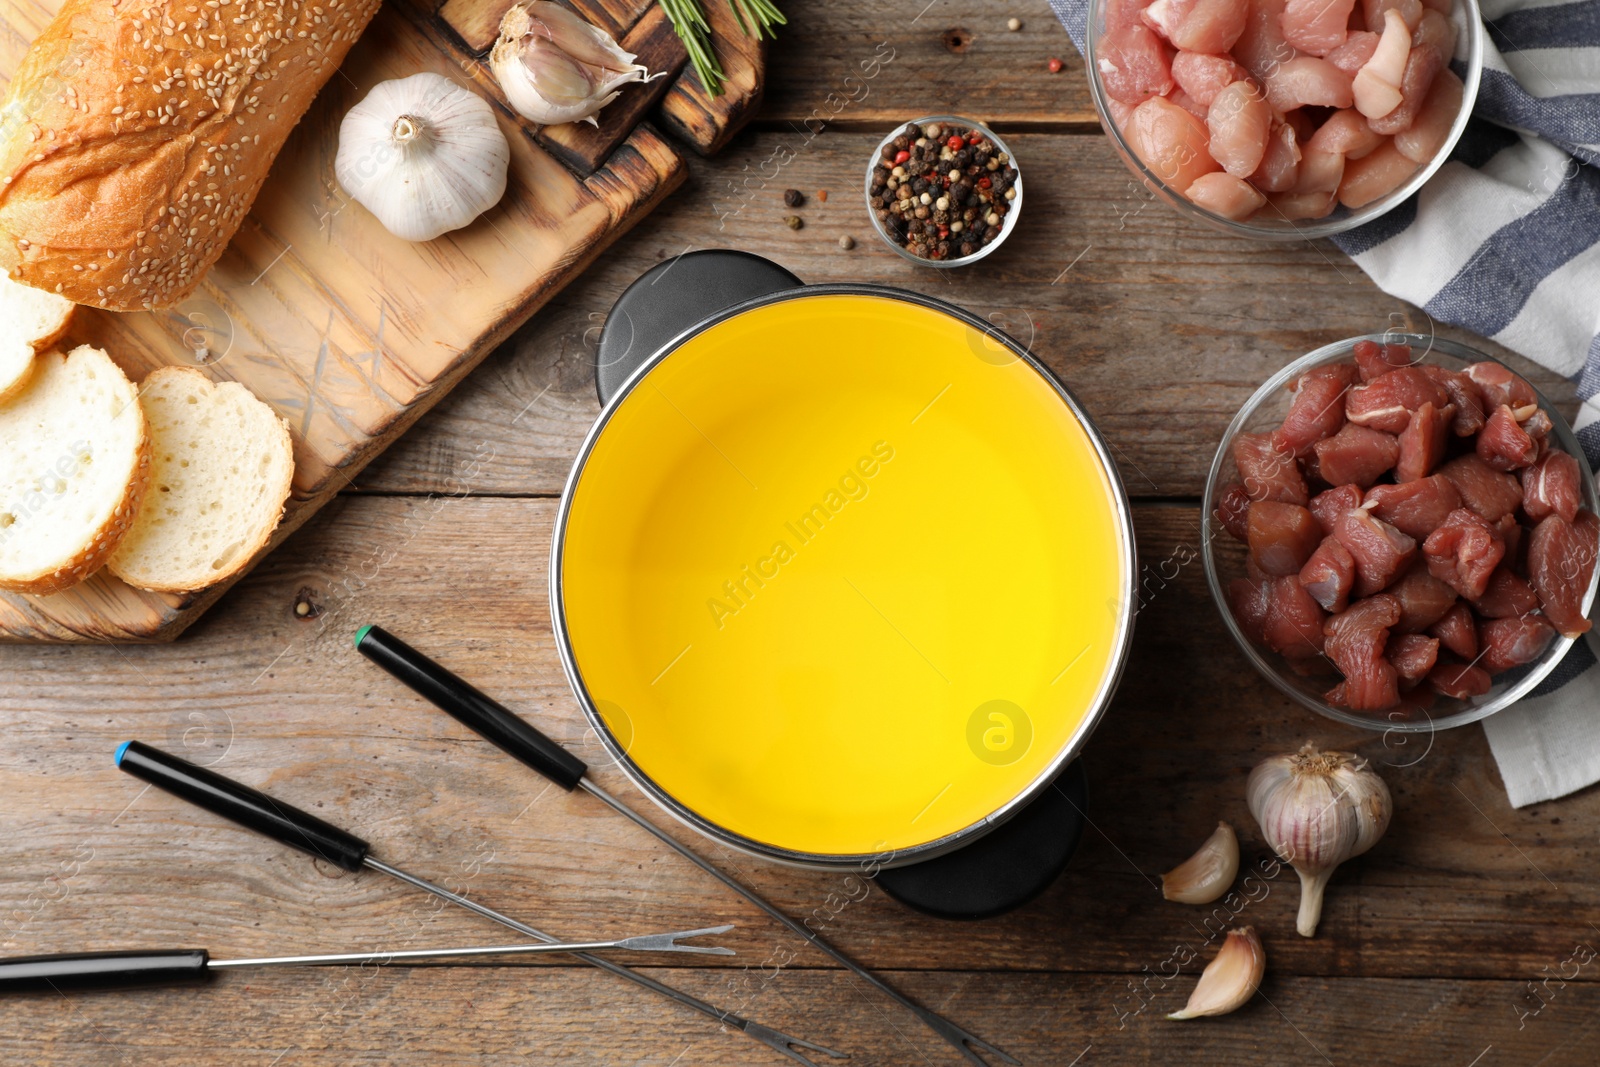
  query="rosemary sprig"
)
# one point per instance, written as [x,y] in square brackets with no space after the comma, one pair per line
[688,20]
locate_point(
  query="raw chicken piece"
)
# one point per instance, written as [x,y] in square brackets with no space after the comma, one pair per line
[1443,7]
[1422,442]
[1261,47]
[1268,472]
[1316,26]
[1198,25]
[1499,385]
[1381,552]
[1248,598]
[1460,680]
[1422,66]
[1282,537]
[1491,493]
[1428,134]
[1372,359]
[1464,552]
[1457,631]
[1423,599]
[1223,194]
[1135,64]
[1346,133]
[1506,596]
[1329,575]
[1356,639]
[1417,508]
[1464,394]
[1239,121]
[1320,172]
[1123,13]
[1386,402]
[1318,408]
[1510,643]
[1356,455]
[1552,486]
[1120,113]
[1188,103]
[1277,172]
[1376,85]
[1436,31]
[1307,80]
[1293,207]
[1293,624]
[1375,175]
[1413,656]
[1233,511]
[1327,507]
[1561,558]
[1372,12]
[1503,444]
[1351,56]
[1170,141]
[1204,76]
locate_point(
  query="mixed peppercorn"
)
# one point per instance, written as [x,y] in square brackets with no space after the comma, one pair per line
[942,191]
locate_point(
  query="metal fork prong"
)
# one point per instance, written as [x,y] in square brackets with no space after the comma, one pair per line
[964,1041]
[669,942]
[790,1046]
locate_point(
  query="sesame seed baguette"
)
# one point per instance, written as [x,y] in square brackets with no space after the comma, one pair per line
[136,134]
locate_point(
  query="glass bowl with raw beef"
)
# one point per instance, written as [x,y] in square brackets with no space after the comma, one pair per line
[1401,533]
[1284,119]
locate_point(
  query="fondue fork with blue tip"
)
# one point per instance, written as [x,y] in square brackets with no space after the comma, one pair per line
[288,825]
[515,736]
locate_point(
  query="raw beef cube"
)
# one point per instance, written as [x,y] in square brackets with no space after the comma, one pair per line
[1422,442]
[1329,575]
[1464,395]
[1464,552]
[1356,455]
[1293,625]
[1318,408]
[1356,639]
[1372,359]
[1552,486]
[1248,599]
[1381,552]
[1506,596]
[1457,631]
[1282,537]
[1561,558]
[1268,472]
[1233,510]
[1417,508]
[1460,680]
[1503,444]
[1386,402]
[1413,656]
[1489,492]
[1424,600]
[1499,386]
[1330,504]
[1512,642]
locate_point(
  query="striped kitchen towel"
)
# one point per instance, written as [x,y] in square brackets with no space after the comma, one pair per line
[1505,241]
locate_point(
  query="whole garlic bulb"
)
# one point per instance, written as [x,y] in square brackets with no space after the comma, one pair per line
[554,67]
[1316,810]
[422,154]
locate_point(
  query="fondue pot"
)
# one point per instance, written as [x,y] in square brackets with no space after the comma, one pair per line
[843,577]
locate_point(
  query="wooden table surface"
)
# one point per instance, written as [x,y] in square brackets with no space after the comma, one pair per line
[1463,938]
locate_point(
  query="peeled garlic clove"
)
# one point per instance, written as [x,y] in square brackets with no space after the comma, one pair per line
[1207,874]
[1229,980]
[554,67]
[422,154]
[1317,809]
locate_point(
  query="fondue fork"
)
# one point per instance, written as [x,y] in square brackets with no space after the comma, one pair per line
[515,736]
[288,825]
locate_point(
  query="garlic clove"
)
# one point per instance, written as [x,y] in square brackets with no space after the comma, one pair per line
[1230,979]
[554,67]
[582,41]
[1207,874]
[558,77]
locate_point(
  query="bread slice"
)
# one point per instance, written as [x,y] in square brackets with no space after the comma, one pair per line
[74,461]
[34,321]
[221,469]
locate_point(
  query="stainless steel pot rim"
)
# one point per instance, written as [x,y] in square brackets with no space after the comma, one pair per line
[865,861]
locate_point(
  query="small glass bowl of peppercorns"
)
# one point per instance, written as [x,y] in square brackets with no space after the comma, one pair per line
[943,191]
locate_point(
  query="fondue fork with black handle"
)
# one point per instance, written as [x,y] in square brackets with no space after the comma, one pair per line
[514,735]
[255,810]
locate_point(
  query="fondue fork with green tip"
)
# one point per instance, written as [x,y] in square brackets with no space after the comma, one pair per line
[496,723]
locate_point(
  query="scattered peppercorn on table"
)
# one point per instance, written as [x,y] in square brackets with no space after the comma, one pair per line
[1462,937]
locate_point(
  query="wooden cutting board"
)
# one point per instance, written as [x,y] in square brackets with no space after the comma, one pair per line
[350,333]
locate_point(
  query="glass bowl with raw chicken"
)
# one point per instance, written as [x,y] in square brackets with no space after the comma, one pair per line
[1401,533]
[1284,119]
